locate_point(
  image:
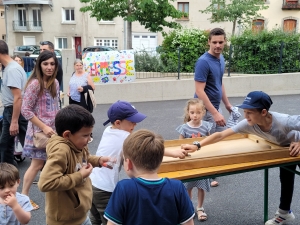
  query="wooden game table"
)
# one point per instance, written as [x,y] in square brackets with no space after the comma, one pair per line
[235,154]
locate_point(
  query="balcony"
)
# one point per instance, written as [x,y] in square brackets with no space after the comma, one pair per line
[27,26]
[290,5]
[40,2]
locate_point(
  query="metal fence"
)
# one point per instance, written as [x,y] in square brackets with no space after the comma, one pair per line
[240,59]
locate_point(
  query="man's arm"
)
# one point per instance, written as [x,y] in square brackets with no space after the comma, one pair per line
[225,99]
[14,126]
[218,117]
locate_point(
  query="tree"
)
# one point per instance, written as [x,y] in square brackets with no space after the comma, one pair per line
[150,13]
[235,11]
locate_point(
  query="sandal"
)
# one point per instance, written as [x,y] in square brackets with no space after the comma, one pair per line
[202,216]
[214,183]
[34,205]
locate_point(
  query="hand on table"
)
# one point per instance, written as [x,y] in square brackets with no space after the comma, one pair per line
[294,149]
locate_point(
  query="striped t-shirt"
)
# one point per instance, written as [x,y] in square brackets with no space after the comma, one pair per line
[190,132]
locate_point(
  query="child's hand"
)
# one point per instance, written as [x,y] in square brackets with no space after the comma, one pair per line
[189,148]
[178,153]
[11,200]
[86,170]
[103,159]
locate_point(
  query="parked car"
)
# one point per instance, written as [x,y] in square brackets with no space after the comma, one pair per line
[98,49]
[21,50]
[36,53]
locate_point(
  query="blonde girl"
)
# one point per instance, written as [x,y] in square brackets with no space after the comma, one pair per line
[194,126]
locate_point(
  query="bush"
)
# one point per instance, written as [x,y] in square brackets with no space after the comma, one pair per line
[191,42]
[265,52]
[149,61]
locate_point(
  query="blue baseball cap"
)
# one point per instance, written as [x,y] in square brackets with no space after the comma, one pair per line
[256,100]
[122,110]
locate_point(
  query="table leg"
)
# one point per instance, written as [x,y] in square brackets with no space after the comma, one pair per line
[266,195]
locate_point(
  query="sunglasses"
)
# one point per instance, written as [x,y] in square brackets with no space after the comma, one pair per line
[45,43]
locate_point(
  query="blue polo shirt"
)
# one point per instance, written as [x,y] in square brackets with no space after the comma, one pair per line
[210,70]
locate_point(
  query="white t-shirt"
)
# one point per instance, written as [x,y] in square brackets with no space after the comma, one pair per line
[111,144]
[285,129]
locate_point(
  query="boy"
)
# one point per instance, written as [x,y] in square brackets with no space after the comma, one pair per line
[281,129]
[146,198]
[123,118]
[14,207]
[65,176]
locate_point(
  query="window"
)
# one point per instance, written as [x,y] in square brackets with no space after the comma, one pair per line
[258,25]
[184,7]
[2,14]
[289,25]
[62,43]
[68,15]
[217,7]
[106,42]
[36,18]
[22,17]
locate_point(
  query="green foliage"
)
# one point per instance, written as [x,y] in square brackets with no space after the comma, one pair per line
[147,61]
[235,11]
[191,42]
[265,52]
[150,13]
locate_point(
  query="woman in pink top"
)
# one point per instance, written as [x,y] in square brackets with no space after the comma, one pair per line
[40,105]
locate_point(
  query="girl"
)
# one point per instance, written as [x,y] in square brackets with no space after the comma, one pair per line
[19,60]
[40,105]
[194,126]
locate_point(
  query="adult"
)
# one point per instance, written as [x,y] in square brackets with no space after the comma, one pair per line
[19,60]
[48,45]
[278,128]
[40,105]
[28,64]
[12,88]
[209,72]
[79,85]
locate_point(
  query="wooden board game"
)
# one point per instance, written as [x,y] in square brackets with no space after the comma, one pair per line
[237,148]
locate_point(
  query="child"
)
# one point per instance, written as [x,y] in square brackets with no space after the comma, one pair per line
[146,198]
[14,207]
[65,176]
[194,126]
[278,128]
[123,118]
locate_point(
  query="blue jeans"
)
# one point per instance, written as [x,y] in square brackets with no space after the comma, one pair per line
[6,140]
[87,221]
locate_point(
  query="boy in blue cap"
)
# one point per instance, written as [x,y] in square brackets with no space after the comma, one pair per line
[123,118]
[278,128]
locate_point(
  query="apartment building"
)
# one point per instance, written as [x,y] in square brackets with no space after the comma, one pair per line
[31,21]
[2,22]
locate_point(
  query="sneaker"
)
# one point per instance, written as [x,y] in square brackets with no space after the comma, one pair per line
[280,218]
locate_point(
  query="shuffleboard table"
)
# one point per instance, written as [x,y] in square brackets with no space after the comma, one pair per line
[236,154]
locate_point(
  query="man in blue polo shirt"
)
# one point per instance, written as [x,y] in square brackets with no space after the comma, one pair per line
[209,72]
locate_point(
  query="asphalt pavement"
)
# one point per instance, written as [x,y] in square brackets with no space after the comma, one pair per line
[238,200]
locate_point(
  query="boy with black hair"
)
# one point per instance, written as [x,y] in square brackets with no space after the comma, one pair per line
[14,207]
[278,128]
[65,176]
[146,198]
